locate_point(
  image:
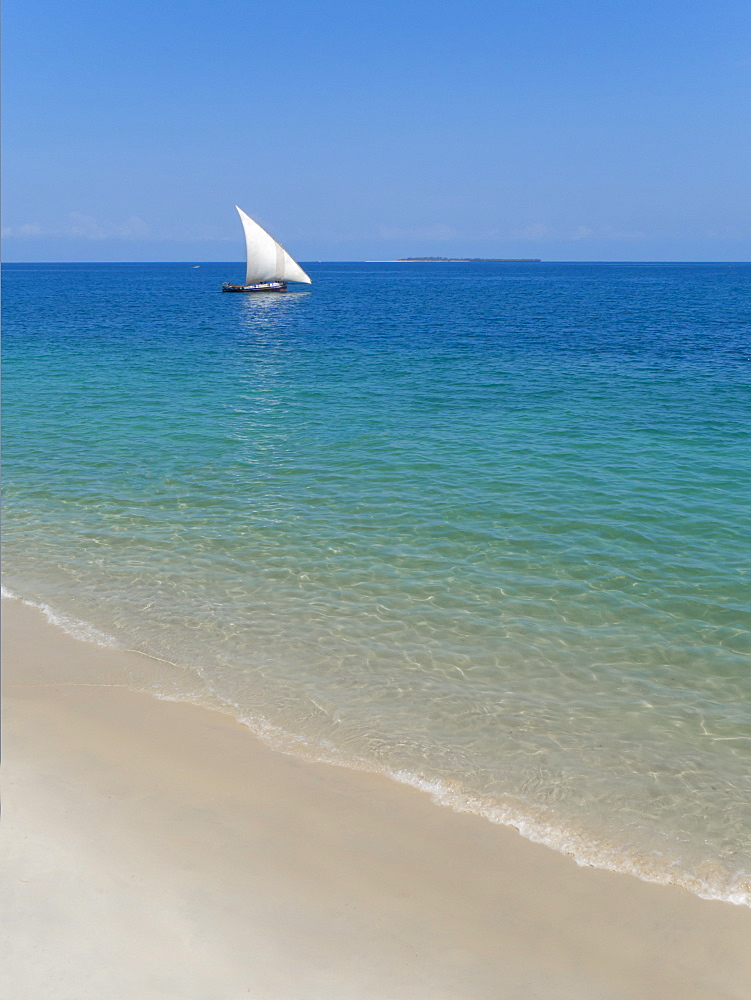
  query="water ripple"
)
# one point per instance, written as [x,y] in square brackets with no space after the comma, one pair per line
[486,532]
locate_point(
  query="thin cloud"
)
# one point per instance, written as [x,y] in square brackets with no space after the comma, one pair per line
[86,227]
[89,228]
[535,231]
[28,230]
[438,231]
[81,226]
[541,231]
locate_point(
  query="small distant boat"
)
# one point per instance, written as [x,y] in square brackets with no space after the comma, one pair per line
[269,266]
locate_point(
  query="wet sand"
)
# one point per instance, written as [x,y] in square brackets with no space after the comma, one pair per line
[152,849]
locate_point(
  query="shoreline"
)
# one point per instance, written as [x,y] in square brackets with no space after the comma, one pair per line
[167,680]
[159,849]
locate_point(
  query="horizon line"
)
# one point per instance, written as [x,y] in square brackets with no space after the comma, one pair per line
[393,260]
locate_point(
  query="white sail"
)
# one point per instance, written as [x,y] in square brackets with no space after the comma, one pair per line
[267,260]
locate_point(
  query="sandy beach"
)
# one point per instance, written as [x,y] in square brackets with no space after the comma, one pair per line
[154,849]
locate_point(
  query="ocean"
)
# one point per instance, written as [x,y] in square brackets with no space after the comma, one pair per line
[482,527]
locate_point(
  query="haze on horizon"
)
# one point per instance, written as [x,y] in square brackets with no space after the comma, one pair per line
[578,131]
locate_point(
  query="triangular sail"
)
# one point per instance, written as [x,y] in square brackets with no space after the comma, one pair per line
[267,259]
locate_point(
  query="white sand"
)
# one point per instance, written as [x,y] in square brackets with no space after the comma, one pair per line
[155,850]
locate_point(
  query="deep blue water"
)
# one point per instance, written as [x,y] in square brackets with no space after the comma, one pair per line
[484,527]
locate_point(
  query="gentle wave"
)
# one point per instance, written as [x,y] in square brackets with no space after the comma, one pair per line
[450,795]
[446,794]
[82,630]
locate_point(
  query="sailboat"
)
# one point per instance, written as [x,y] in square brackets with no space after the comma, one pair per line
[269,266]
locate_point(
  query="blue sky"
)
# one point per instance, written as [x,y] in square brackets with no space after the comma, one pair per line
[584,130]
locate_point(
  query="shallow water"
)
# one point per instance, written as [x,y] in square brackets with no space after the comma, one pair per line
[482,526]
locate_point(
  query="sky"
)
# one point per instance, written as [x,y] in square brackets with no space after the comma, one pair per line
[577,130]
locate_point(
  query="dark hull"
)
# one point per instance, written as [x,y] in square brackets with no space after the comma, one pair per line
[262,286]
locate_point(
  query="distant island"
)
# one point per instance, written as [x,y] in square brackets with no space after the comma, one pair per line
[473,260]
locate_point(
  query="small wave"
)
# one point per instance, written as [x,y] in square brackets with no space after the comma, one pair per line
[585,851]
[82,630]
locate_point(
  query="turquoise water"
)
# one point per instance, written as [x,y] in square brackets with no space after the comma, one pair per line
[484,527]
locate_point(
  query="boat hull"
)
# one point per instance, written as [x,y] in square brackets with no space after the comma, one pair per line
[261,286]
